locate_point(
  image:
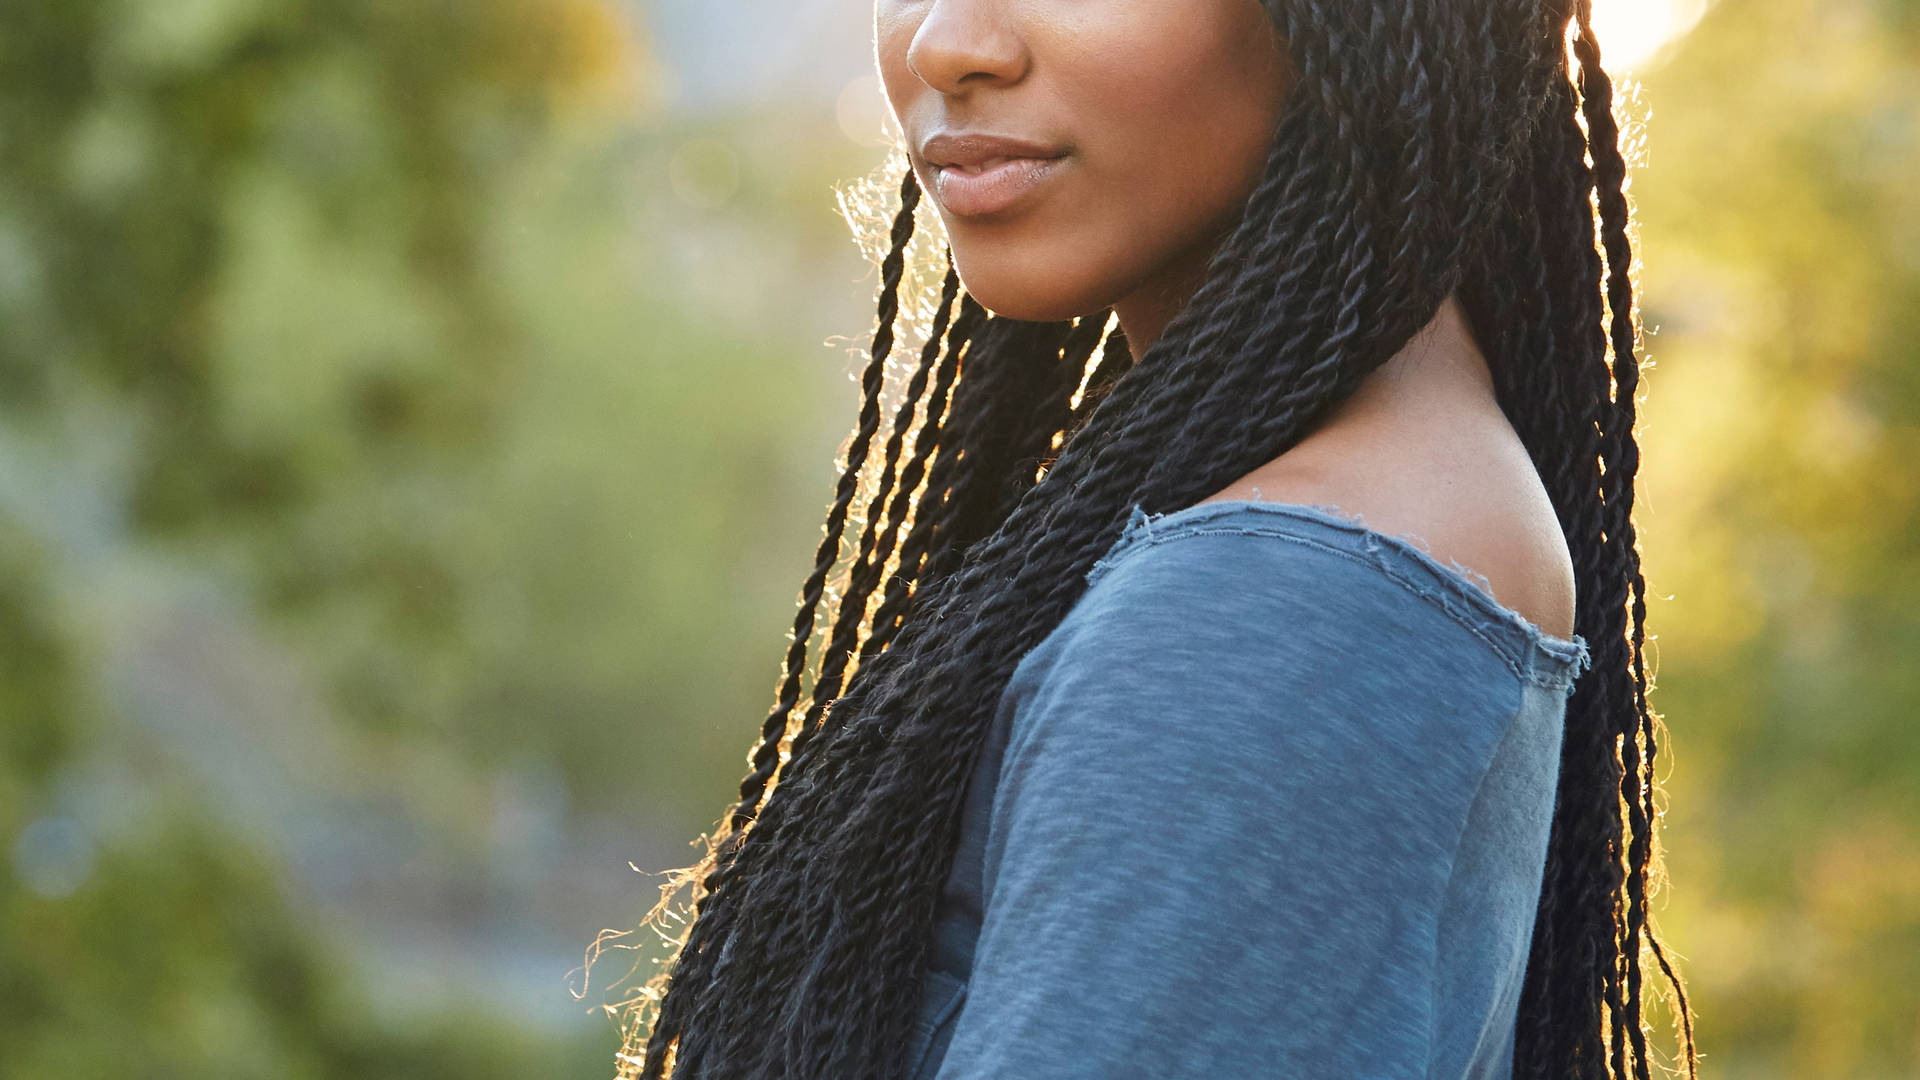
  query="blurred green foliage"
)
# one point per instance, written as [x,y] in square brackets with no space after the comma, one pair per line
[1781,239]
[360,326]
[410,361]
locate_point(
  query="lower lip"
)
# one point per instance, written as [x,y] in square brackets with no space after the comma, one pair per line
[990,191]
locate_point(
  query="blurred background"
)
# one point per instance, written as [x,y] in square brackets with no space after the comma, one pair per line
[416,421]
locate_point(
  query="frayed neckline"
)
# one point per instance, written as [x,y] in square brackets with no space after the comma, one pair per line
[1456,583]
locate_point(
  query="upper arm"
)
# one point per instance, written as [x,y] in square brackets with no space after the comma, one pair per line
[1224,827]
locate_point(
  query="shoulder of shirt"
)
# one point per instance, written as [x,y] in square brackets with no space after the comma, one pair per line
[1276,570]
[1201,635]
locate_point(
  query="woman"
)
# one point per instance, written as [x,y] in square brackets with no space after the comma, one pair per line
[1206,695]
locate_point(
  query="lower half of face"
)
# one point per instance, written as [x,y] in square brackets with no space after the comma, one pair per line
[1164,111]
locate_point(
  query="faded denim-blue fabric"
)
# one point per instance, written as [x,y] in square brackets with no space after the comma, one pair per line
[1271,801]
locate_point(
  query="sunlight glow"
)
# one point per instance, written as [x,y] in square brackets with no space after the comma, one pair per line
[1631,32]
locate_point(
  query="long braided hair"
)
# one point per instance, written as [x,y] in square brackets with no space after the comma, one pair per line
[1427,148]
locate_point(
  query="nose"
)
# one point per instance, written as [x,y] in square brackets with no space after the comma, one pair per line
[966,43]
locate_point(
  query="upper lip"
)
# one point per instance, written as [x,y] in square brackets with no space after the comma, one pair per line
[973,150]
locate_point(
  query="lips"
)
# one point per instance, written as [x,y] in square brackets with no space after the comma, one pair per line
[992,189]
[980,174]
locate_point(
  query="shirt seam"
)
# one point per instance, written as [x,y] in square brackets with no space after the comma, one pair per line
[1155,539]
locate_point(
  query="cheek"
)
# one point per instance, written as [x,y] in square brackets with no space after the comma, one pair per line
[1178,117]
[1171,109]
[1181,128]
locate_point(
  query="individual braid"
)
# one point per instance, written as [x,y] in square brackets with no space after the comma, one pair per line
[1425,151]
[919,538]
[878,537]
[872,380]
[1622,454]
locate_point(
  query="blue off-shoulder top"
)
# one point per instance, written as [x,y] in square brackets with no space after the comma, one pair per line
[1271,801]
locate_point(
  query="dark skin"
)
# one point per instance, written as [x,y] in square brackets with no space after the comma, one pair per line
[1158,117]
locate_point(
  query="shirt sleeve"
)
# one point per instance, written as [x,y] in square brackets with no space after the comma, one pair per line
[1225,823]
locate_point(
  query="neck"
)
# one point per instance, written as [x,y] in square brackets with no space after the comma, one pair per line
[1441,360]
[1145,312]
[1440,364]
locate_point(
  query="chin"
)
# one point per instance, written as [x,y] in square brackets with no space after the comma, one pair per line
[1029,290]
[1025,310]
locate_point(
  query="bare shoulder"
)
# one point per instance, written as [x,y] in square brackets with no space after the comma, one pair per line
[1465,492]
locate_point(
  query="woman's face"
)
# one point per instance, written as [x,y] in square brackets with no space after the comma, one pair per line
[1084,153]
